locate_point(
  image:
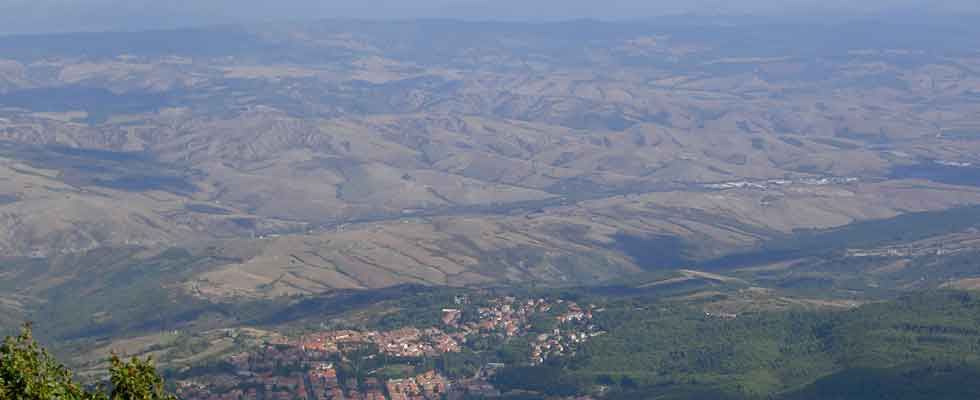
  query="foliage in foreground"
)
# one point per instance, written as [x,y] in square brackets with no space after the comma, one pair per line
[29,372]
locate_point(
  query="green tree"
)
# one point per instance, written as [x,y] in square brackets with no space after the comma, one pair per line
[29,372]
[136,380]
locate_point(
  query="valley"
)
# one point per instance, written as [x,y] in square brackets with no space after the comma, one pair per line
[198,193]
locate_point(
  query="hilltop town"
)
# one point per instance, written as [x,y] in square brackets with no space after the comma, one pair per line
[404,363]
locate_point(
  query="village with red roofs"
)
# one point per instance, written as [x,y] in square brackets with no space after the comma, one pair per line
[399,364]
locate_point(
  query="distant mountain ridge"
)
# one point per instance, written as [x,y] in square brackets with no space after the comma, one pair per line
[59,16]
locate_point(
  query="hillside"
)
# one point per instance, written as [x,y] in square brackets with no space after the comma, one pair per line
[266,177]
[309,129]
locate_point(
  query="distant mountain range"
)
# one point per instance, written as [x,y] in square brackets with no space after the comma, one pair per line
[48,16]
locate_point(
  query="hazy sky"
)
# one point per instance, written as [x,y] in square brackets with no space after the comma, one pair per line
[37,16]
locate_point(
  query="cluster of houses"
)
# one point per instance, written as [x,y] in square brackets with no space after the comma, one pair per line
[306,367]
[404,342]
[320,382]
[263,387]
[922,250]
[574,328]
[767,184]
[506,316]
[429,385]
[512,317]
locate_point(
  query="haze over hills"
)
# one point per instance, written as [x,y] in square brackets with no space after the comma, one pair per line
[325,130]
[50,16]
[192,179]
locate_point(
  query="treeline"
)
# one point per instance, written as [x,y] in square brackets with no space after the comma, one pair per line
[921,381]
[672,352]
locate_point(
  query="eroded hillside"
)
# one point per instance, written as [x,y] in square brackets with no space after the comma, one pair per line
[277,160]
